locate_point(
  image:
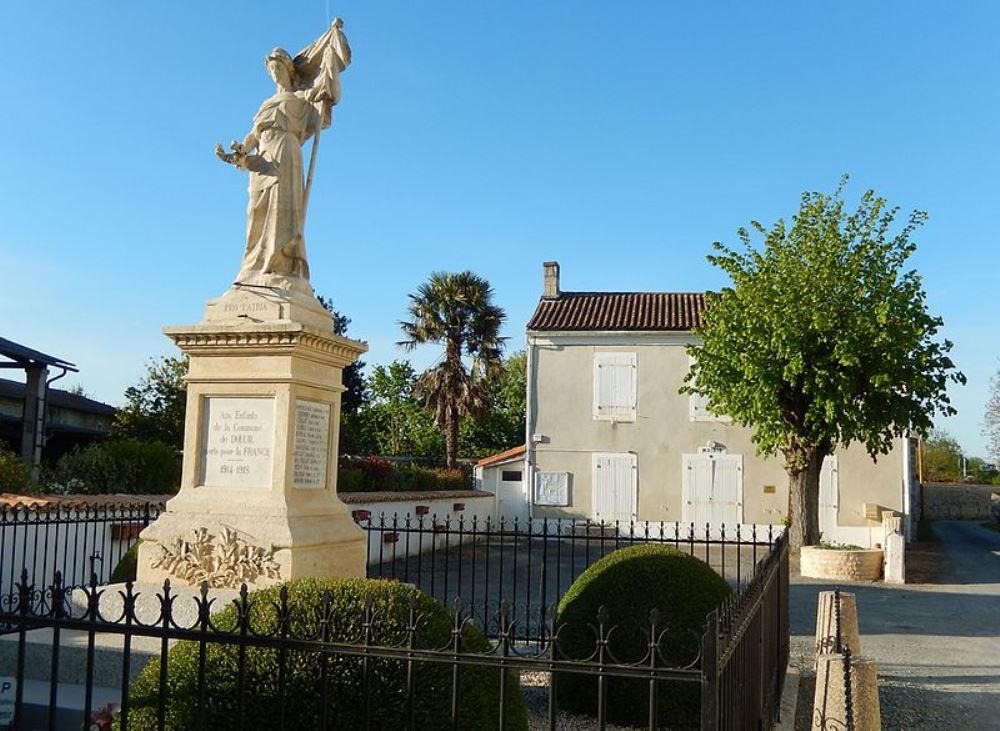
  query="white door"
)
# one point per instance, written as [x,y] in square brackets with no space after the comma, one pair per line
[712,490]
[615,479]
[829,497]
[511,500]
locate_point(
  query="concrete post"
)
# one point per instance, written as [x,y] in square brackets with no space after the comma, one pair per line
[830,702]
[826,623]
[33,428]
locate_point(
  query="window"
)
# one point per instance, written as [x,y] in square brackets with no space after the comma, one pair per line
[698,406]
[510,475]
[615,386]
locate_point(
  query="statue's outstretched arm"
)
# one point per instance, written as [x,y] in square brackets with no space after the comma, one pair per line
[239,151]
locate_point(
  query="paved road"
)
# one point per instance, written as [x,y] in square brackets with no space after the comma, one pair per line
[937,645]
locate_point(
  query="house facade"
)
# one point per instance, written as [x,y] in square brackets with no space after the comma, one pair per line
[610,437]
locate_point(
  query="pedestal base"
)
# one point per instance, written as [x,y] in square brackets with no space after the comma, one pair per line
[229,549]
[258,501]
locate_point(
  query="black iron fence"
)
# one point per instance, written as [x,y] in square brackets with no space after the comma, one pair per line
[77,539]
[745,650]
[531,564]
[500,582]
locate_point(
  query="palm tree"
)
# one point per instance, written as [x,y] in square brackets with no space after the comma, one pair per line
[456,310]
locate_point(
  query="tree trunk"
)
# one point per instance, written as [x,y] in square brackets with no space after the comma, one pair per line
[451,439]
[803,496]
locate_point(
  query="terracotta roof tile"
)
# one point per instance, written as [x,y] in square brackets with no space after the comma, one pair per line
[502,456]
[615,311]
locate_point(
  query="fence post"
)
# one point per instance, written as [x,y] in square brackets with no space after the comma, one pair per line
[710,674]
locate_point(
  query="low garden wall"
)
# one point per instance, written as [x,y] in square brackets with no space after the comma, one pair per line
[433,510]
[841,564]
[957,501]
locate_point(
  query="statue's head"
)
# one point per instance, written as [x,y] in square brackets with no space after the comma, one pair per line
[281,67]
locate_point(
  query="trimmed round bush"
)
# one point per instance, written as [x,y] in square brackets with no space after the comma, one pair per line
[127,566]
[629,583]
[345,684]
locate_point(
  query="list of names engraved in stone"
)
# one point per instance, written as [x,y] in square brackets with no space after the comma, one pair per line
[312,436]
[237,442]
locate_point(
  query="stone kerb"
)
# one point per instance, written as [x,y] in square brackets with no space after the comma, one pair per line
[841,564]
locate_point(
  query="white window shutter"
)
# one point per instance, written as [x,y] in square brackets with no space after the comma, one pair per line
[615,386]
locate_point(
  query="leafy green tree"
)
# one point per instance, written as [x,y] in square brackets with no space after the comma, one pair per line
[941,458]
[154,407]
[503,425]
[991,421]
[457,311]
[394,421]
[354,377]
[823,339]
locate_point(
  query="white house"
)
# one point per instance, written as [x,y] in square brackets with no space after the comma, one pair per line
[610,437]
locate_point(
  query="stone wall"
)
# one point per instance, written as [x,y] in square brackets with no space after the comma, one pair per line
[957,502]
[841,565]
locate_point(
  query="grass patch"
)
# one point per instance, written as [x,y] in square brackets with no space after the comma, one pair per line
[990,525]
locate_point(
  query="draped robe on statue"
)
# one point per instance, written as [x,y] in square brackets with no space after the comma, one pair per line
[275,249]
[275,213]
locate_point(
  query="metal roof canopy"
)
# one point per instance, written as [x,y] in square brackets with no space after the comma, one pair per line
[22,357]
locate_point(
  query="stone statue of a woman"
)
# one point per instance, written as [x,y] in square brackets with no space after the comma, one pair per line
[307,88]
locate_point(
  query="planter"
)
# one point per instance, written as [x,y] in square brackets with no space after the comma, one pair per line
[841,565]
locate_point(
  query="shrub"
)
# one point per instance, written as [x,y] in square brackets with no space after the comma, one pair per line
[125,466]
[372,474]
[127,566]
[350,479]
[630,583]
[480,692]
[14,474]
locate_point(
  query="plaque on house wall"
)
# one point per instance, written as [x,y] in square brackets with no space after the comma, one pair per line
[237,442]
[552,489]
[311,446]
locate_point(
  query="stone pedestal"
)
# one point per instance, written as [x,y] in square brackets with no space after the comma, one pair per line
[258,499]
[830,707]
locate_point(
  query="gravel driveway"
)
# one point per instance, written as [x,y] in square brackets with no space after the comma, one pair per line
[937,645]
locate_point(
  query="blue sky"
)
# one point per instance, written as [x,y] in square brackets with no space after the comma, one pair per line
[620,138]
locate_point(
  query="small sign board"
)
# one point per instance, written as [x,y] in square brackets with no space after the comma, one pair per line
[8,690]
[769,489]
[552,488]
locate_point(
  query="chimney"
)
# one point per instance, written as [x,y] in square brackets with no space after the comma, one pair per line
[551,279]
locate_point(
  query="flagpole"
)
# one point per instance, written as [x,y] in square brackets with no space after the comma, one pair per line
[312,162]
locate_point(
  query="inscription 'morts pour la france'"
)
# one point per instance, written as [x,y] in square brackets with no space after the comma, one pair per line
[312,436]
[237,444]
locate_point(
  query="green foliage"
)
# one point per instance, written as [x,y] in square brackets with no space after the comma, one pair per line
[631,582]
[154,407]
[14,474]
[127,566]
[353,376]
[824,338]
[835,546]
[502,426]
[372,474]
[394,422]
[345,679]
[942,460]
[118,466]
[456,311]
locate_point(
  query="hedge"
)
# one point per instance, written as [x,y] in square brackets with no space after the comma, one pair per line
[121,466]
[629,583]
[372,474]
[259,706]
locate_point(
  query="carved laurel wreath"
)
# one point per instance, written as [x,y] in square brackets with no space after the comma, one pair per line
[224,561]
